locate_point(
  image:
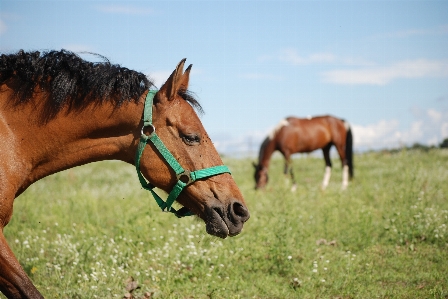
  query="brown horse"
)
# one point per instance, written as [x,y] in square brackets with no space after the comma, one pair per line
[304,135]
[59,111]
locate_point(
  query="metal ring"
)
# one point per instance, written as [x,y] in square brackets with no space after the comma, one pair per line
[153,130]
[186,174]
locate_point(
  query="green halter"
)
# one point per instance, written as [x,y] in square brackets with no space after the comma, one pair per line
[184,177]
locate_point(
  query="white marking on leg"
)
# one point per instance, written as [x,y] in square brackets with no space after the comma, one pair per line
[345,177]
[294,188]
[327,176]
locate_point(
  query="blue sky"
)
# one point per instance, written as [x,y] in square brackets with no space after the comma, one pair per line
[381,65]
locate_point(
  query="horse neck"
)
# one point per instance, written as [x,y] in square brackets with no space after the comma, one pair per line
[267,148]
[73,138]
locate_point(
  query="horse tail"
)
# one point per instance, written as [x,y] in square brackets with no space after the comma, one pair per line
[349,150]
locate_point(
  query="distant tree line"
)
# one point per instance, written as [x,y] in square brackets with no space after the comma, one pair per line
[418,146]
[422,147]
[444,143]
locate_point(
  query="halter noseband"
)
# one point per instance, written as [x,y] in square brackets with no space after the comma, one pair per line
[184,177]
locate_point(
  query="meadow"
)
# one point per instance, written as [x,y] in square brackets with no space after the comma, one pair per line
[92,232]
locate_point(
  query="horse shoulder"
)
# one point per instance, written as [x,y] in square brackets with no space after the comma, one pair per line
[10,170]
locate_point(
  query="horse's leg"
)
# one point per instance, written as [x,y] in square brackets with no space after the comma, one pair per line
[344,177]
[289,169]
[14,283]
[327,175]
[345,169]
[293,179]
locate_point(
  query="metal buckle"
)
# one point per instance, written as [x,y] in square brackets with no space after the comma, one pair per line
[152,133]
[185,177]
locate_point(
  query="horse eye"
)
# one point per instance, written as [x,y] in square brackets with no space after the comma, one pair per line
[191,139]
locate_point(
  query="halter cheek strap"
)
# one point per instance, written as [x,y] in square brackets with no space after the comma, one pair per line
[184,177]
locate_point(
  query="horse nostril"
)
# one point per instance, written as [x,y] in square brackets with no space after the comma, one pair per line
[240,211]
[218,211]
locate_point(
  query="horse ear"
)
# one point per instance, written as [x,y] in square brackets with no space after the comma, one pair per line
[183,83]
[170,87]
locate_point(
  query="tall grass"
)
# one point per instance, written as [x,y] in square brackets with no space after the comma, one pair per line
[89,231]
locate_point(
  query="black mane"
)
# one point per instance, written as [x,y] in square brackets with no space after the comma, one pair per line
[67,79]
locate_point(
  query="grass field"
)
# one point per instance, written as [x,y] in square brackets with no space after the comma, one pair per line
[87,232]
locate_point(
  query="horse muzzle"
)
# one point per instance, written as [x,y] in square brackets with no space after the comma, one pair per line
[226,220]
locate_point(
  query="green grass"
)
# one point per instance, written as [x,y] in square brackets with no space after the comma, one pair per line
[84,232]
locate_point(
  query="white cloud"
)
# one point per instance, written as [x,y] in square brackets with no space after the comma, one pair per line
[434,141]
[378,135]
[363,71]
[413,134]
[124,9]
[434,115]
[429,128]
[159,77]
[444,130]
[385,74]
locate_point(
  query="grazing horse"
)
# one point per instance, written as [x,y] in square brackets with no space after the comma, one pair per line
[303,135]
[58,111]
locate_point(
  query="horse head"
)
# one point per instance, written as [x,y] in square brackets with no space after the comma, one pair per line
[216,198]
[261,176]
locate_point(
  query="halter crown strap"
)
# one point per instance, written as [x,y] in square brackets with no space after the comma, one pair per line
[184,177]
